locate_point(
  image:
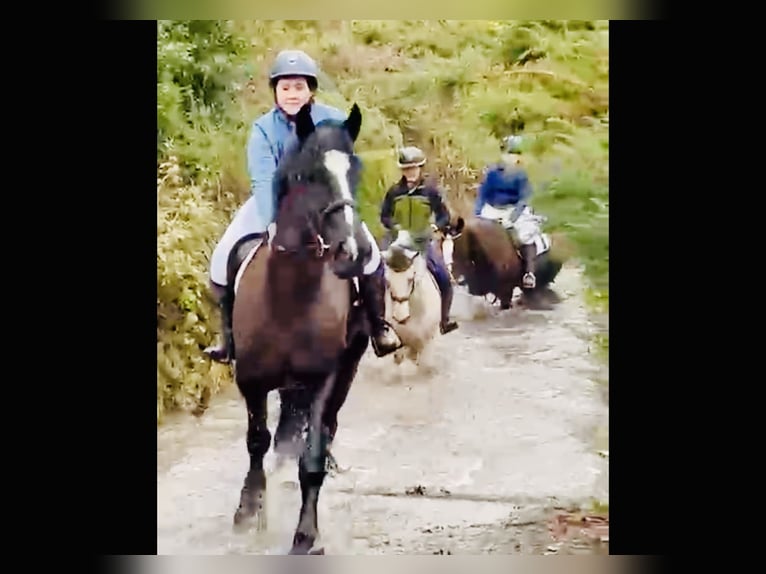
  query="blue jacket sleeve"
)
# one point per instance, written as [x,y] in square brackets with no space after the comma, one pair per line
[261,165]
[483,194]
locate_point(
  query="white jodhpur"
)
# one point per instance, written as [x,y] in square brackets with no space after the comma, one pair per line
[527,226]
[247,220]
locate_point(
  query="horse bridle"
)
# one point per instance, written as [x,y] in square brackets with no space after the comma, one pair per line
[334,206]
[321,245]
[403,299]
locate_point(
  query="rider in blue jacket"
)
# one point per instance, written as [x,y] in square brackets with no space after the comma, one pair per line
[293,80]
[507,184]
[413,187]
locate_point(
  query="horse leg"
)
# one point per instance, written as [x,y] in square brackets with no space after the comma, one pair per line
[547,270]
[293,417]
[312,471]
[536,297]
[505,294]
[252,502]
[348,366]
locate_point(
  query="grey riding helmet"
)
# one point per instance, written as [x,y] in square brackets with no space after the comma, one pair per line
[294,63]
[511,144]
[411,156]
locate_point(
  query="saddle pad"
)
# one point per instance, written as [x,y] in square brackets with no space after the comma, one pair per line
[245,263]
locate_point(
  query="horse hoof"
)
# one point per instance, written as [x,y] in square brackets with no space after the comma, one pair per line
[251,515]
[303,545]
[244,523]
[332,466]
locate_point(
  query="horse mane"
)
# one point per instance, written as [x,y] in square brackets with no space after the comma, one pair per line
[300,171]
[302,167]
[484,251]
[488,237]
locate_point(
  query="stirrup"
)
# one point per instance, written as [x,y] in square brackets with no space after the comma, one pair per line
[390,347]
[529,281]
[447,327]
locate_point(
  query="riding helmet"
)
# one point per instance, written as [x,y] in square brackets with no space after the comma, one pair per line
[411,156]
[294,63]
[511,144]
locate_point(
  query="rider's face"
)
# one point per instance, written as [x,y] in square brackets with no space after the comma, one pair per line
[292,94]
[411,174]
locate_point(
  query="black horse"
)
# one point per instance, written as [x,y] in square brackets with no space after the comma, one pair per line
[296,327]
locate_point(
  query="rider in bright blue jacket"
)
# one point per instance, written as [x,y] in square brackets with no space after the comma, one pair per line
[506,184]
[293,80]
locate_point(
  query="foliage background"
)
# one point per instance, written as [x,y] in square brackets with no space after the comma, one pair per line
[451,87]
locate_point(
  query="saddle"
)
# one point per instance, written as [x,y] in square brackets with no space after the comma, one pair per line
[502,216]
[243,252]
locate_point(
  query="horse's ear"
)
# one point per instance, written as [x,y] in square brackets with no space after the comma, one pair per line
[354,122]
[304,125]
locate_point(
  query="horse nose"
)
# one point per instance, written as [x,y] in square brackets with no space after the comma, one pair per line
[350,248]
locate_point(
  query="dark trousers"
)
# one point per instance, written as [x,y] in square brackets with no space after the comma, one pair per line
[435,264]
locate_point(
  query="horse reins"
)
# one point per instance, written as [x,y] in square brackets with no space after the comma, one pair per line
[403,299]
[409,295]
[321,246]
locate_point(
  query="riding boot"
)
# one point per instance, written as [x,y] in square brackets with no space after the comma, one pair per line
[223,353]
[447,324]
[528,254]
[384,338]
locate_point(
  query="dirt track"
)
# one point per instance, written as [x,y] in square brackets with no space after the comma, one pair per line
[468,458]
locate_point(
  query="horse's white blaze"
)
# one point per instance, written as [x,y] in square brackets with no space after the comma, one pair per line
[416,319]
[338,164]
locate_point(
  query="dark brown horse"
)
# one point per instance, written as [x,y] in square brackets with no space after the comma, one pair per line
[481,254]
[296,327]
